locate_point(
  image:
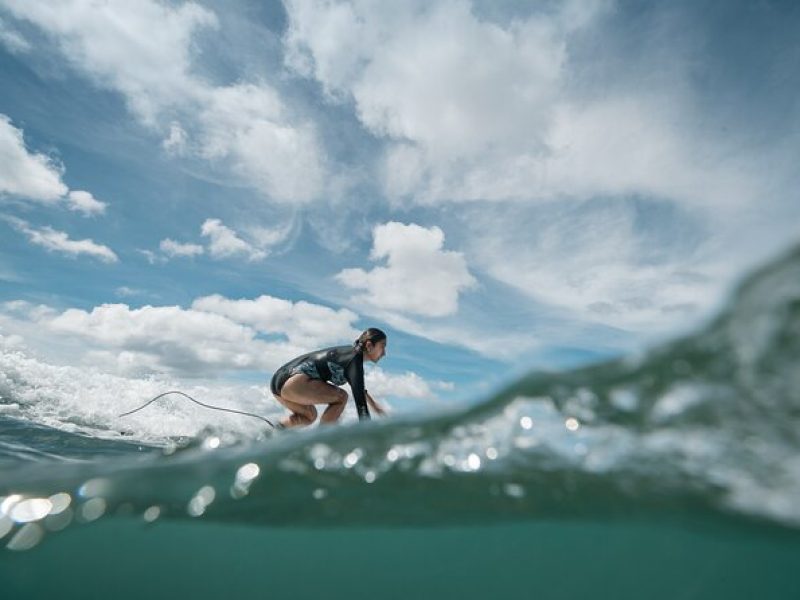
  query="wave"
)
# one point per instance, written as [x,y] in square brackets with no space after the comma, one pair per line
[706,425]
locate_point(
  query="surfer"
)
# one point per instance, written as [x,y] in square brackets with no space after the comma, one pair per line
[314,378]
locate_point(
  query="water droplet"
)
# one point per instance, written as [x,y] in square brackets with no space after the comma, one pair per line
[247,473]
[6,525]
[198,504]
[93,509]
[211,443]
[514,490]
[59,521]
[8,503]
[94,487]
[351,459]
[474,462]
[27,537]
[32,509]
[60,502]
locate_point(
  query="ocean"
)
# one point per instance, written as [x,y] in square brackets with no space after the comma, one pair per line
[673,474]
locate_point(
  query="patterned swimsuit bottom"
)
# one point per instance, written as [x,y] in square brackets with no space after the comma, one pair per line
[310,369]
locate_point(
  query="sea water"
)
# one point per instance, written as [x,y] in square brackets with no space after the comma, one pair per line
[671,474]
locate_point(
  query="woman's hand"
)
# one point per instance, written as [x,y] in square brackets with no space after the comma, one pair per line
[375,406]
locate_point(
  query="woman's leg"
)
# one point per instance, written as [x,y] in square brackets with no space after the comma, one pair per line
[300,393]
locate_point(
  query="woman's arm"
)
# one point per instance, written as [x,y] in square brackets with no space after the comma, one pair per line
[355,377]
[375,406]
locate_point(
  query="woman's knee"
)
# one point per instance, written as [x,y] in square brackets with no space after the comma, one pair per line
[341,396]
[309,413]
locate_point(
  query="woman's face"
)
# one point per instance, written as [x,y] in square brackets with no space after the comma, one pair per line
[376,351]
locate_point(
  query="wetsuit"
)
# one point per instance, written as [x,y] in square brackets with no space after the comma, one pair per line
[338,365]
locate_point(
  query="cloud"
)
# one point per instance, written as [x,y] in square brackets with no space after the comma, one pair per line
[472,108]
[151,256]
[431,72]
[303,323]
[37,177]
[452,90]
[216,335]
[146,51]
[173,249]
[548,111]
[28,175]
[125,291]
[152,338]
[59,242]
[13,40]
[420,277]
[224,243]
[639,266]
[407,385]
[175,142]
[85,203]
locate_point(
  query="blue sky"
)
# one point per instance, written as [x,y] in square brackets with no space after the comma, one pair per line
[204,190]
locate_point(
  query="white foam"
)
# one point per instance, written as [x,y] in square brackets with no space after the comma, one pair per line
[88,401]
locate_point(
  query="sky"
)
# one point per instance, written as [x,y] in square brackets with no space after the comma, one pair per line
[204,190]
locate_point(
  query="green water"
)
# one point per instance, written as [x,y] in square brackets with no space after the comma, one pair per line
[126,559]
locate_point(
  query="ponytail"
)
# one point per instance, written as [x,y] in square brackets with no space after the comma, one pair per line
[372,334]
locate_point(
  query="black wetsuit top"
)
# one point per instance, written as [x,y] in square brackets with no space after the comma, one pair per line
[338,365]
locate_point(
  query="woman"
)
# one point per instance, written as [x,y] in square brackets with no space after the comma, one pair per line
[303,382]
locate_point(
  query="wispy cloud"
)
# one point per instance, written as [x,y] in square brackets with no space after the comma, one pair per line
[125,291]
[172,248]
[12,39]
[224,243]
[60,243]
[472,109]
[145,50]
[600,262]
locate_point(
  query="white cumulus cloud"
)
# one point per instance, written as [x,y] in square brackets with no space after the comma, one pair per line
[22,173]
[37,177]
[216,335]
[85,203]
[303,323]
[405,385]
[420,278]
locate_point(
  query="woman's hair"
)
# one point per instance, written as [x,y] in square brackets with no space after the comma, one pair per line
[372,334]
